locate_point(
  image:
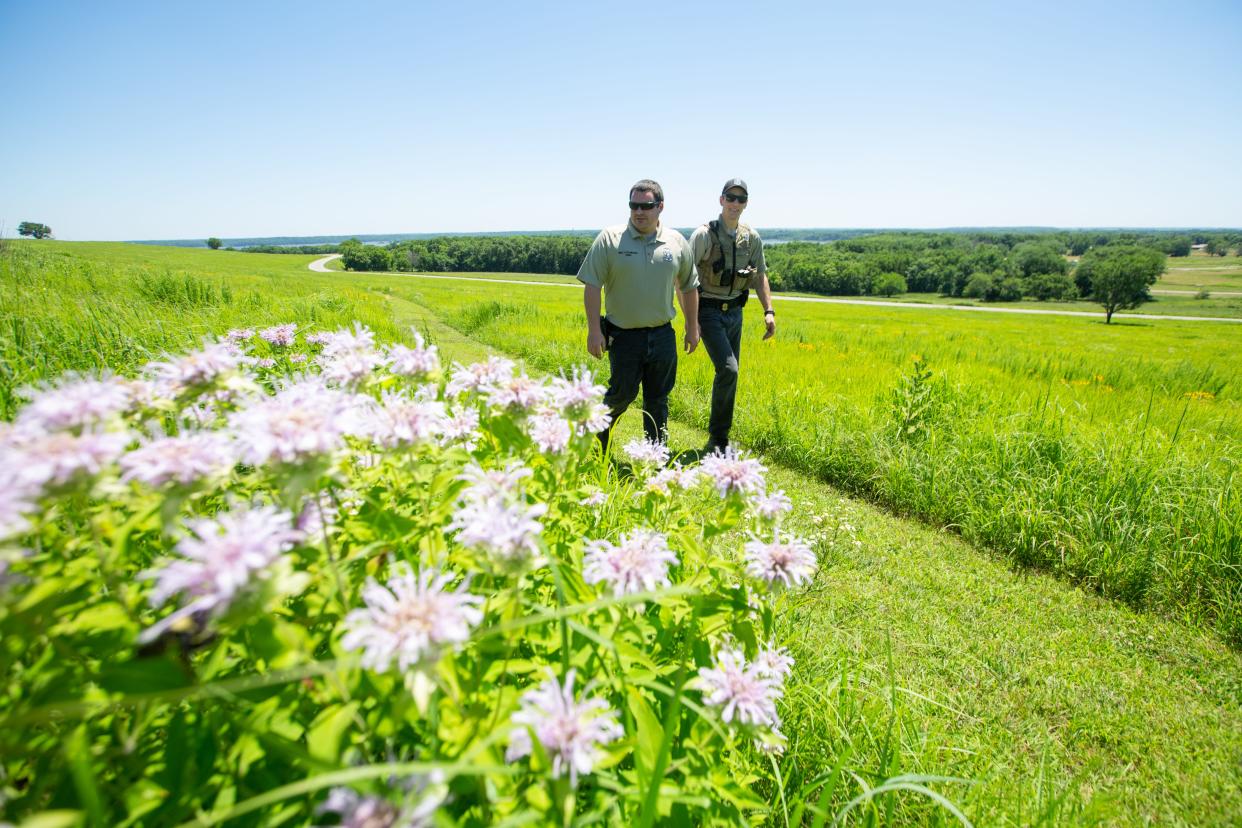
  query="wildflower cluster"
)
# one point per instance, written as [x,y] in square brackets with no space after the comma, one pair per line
[289,553]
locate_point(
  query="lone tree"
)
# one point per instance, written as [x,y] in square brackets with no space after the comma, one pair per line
[213,243]
[33,228]
[1119,277]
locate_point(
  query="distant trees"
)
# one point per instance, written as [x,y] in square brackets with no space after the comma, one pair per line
[34,228]
[889,284]
[298,249]
[1079,243]
[560,254]
[1031,259]
[1119,278]
[472,254]
[993,287]
[1177,246]
[214,243]
[358,256]
[1049,286]
[981,286]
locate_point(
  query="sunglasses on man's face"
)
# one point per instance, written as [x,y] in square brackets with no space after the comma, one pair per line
[644,205]
[730,197]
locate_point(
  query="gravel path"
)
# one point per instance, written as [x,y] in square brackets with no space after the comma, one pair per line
[321,265]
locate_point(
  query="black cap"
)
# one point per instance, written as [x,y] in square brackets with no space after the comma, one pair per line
[734,182]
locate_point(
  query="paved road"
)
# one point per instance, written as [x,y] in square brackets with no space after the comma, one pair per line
[823,300]
[320,265]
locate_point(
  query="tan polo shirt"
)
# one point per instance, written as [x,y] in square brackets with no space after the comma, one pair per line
[749,254]
[639,273]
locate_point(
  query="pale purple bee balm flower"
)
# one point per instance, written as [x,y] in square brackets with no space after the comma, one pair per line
[639,563]
[781,563]
[570,731]
[220,558]
[409,621]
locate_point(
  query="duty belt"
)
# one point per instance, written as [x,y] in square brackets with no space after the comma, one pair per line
[723,304]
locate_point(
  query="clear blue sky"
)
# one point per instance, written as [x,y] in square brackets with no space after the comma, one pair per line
[174,120]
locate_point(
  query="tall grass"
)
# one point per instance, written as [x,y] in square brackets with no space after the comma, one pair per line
[1110,455]
[61,312]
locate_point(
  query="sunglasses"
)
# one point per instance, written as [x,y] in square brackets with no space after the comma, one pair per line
[644,205]
[730,197]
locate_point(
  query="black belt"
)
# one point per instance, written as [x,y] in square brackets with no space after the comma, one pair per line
[723,304]
[606,323]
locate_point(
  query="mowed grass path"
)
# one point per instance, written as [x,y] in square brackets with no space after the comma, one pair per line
[917,652]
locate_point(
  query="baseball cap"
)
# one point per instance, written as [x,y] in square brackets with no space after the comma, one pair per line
[735,182]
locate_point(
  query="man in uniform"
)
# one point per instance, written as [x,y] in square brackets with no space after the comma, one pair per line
[728,256]
[638,266]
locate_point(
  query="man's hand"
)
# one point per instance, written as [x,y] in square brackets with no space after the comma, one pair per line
[595,343]
[769,322]
[692,337]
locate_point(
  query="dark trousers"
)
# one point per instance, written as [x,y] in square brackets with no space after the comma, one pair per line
[721,333]
[646,358]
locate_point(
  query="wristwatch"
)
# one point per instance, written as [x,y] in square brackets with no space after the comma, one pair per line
[769,310]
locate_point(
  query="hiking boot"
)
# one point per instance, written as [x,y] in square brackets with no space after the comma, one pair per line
[715,446]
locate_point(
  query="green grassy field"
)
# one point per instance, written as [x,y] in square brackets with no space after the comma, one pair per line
[1087,450]
[1197,272]
[1015,442]
[1161,305]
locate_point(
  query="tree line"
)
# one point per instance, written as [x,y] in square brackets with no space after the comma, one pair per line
[993,266]
[1112,268]
[471,254]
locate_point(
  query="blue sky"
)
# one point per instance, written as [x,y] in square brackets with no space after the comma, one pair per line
[174,120]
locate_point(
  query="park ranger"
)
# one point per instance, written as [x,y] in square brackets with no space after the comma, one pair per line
[729,261]
[638,266]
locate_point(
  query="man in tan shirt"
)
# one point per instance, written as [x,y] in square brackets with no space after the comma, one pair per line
[637,267]
[729,260]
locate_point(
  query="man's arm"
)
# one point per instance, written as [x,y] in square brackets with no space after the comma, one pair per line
[593,273]
[764,291]
[688,296]
[699,244]
[595,336]
[690,311]
[765,298]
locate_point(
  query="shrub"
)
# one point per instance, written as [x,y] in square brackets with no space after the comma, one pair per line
[1046,286]
[980,286]
[1009,289]
[889,284]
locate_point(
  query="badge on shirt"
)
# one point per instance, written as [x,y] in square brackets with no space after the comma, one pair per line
[668,255]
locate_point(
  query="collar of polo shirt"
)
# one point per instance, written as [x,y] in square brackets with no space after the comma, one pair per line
[637,235]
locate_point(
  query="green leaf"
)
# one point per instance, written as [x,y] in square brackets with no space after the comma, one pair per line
[328,730]
[100,618]
[143,797]
[745,631]
[78,757]
[176,752]
[650,734]
[53,819]
[144,675]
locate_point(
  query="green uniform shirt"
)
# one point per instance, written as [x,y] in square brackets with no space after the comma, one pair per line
[749,254]
[639,273]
